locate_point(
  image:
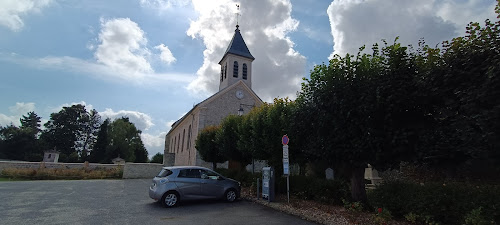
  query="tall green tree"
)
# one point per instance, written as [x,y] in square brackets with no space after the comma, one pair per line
[157,158]
[265,127]
[465,85]
[21,143]
[31,123]
[72,129]
[364,111]
[15,142]
[98,154]
[208,147]
[246,141]
[87,136]
[125,142]
[227,139]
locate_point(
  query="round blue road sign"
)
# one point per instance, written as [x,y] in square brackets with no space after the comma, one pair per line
[285,140]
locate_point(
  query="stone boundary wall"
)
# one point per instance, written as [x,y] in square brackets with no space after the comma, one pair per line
[141,170]
[130,170]
[36,165]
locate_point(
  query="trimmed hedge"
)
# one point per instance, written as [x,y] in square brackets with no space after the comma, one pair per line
[312,188]
[453,203]
[304,187]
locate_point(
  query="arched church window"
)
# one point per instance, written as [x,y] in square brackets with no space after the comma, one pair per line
[235,69]
[221,73]
[244,71]
[175,143]
[225,71]
[183,135]
[189,137]
[178,142]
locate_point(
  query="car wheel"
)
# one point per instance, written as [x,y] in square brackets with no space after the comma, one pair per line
[230,195]
[170,199]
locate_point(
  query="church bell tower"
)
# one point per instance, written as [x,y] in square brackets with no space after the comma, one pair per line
[236,64]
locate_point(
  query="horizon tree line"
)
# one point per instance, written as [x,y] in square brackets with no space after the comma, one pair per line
[79,135]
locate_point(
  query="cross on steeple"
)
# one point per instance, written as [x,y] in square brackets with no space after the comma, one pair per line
[237,15]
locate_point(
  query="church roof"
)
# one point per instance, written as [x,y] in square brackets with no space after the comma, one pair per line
[238,46]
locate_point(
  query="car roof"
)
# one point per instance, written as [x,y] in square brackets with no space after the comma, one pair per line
[184,167]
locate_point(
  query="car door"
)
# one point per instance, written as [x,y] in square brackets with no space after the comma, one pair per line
[188,182]
[211,184]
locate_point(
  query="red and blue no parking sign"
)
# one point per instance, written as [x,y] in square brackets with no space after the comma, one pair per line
[285,140]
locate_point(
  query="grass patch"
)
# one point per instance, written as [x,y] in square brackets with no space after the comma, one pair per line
[60,174]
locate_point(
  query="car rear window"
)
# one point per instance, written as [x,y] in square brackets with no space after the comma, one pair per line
[164,173]
[189,173]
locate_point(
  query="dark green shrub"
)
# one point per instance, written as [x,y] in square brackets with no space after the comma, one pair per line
[304,187]
[246,178]
[442,203]
[312,188]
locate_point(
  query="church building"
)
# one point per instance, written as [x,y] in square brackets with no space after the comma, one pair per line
[235,96]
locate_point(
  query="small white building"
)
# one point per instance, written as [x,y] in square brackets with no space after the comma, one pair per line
[51,156]
[118,161]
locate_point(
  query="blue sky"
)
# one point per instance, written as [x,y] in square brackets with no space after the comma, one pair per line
[152,60]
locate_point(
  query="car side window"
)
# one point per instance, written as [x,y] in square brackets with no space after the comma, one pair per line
[164,173]
[207,174]
[189,173]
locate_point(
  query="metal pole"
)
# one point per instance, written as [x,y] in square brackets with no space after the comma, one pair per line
[253,166]
[258,187]
[288,187]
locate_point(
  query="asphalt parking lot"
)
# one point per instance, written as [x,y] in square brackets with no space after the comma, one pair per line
[119,202]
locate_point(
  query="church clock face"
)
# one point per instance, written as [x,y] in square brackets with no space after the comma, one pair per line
[239,94]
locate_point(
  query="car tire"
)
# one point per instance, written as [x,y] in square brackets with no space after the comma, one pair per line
[230,195]
[170,199]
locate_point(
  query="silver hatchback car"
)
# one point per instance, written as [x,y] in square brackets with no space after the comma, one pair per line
[177,183]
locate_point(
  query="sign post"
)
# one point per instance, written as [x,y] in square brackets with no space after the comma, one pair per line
[286,164]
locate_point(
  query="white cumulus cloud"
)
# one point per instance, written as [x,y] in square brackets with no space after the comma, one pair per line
[13,11]
[123,47]
[22,108]
[265,25]
[154,142]
[164,4]
[88,107]
[16,112]
[165,55]
[121,55]
[170,123]
[142,121]
[355,23]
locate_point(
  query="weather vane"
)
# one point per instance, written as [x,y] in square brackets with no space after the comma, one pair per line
[237,14]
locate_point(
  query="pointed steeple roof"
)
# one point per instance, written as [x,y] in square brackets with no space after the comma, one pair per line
[238,46]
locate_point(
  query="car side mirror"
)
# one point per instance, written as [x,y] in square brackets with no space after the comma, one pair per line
[220,178]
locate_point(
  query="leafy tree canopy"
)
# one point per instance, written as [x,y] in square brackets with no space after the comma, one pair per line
[208,147]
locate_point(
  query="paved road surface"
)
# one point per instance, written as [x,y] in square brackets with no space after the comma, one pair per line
[119,202]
